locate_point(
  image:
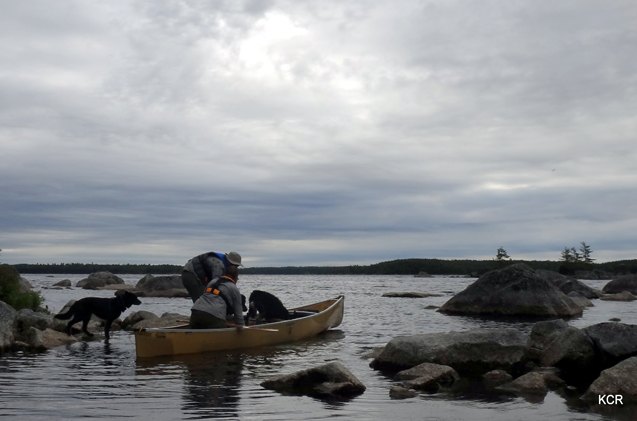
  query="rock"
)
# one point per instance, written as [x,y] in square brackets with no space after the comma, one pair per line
[410,294]
[132,319]
[52,338]
[7,321]
[25,285]
[330,380]
[399,392]
[142,281]
[620,379]
[161,286]
[472,352]
[613,341]
[622,283]
[579,299]
[145,319]
[63,283]
[567,284]
[532,383]
[495,378]
[620,296]
[27,318]
[98,280]
[428,377]
[555,344]
[515,290]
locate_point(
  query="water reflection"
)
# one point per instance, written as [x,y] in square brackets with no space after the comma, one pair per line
[211,382]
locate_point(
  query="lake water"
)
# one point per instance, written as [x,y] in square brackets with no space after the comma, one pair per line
[97,380]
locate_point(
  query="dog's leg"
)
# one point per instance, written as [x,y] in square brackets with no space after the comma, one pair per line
[69,325]
[85,325]
[107,329]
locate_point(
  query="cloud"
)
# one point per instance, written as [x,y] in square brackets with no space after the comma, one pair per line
[316,133]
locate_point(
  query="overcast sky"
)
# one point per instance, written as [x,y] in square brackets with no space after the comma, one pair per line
[317,132]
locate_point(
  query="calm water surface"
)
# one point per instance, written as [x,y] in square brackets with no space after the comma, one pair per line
[97,380]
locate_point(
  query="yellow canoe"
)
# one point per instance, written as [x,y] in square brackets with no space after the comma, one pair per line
[308,321]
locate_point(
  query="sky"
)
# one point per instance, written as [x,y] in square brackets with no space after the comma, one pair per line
[317,132]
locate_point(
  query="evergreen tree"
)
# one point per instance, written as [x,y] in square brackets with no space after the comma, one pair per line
[586,251]
[502,255]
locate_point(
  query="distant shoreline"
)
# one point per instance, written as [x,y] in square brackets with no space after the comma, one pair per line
[393,267]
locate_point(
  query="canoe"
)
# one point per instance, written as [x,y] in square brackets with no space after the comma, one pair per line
[306,322]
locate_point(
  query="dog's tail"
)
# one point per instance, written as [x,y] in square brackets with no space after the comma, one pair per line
[64,316]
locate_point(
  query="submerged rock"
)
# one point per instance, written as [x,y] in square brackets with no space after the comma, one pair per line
[410,294]
[428,377]
[513,291]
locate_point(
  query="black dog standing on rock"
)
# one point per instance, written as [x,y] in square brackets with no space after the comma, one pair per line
[107,309]
[270,308]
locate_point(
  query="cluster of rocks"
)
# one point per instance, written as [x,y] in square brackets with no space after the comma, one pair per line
[148,286]
[598,359]
[553,356]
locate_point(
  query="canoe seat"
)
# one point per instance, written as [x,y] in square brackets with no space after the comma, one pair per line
[296,314]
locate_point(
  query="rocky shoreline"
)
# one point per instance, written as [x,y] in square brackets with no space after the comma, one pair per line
[599,360]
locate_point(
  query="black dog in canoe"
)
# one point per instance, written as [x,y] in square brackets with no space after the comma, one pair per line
[269,307]
[107,309]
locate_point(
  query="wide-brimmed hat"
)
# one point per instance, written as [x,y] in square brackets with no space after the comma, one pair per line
[234,258]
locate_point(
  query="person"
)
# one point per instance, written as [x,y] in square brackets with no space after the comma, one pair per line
[220,298]
[200,270]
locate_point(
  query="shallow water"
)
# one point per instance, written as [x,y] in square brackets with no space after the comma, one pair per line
[97,380]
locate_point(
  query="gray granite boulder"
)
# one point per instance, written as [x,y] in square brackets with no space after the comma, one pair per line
[515,290]
[99,280]
[468,352]
[620,379]
[613,341]
[556,344]
[567,284]
[622,283]
[65,283]
[330,380]
[161,286]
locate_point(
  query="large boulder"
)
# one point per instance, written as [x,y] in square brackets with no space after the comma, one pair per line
[613,341]
[620,379]
[7,322]
[568,285]
[472,352]
[556,344]
[161,286]
[330,380]
[622,283]
[512,291]
[99,280]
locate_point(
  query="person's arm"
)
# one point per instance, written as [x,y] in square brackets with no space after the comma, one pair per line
[238,308]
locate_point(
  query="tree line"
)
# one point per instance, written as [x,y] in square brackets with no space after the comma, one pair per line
[392,267]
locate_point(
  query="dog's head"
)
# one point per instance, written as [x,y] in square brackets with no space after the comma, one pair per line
[128,298]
